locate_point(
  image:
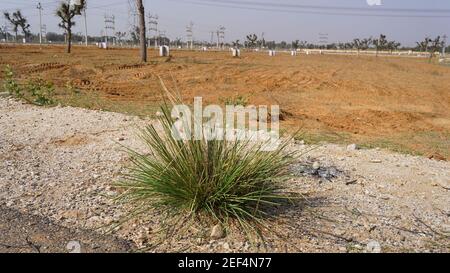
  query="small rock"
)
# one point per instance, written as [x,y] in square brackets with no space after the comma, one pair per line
[316,165]
[226,246]
[200,241]
[217,232]
[352,147]
[246,246]
[373,247]
[300,142]
[375,161]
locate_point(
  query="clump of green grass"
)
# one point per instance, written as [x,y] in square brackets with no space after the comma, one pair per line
[213,180]
[235,100]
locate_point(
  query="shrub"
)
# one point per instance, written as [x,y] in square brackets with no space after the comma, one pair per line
[216,180]
[41,91]
[10,85]
[37,91]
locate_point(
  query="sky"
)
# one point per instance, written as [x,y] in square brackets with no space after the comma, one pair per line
[406,21]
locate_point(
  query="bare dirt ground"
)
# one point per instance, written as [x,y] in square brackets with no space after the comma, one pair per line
[397,103]
[59,164]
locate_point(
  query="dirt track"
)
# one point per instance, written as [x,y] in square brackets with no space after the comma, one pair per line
[399,103]
[59,163]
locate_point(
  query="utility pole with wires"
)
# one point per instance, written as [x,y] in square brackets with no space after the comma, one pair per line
[444,45]
[323,39]
[109,24]
[85,25]
[39,7]
[190,35]
[153,27]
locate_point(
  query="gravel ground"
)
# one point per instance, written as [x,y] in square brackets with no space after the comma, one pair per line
[59,164]
[26,233]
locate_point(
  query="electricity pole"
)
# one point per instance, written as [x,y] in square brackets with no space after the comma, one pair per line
[220,36]
[39,7]
[109,24]
[85,26]
[190,35]
[153,26]
[44,32]
[444,46]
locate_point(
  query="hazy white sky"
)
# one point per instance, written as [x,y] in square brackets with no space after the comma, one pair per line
[413,20]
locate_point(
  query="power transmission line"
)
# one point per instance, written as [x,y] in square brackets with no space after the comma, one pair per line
[153,26]
[132,16]
[300,11]
[109,25]
[277,4]
[190,35]
[220,36]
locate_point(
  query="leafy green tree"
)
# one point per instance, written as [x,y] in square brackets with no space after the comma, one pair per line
[66,13]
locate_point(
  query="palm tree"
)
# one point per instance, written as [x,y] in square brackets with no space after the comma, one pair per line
[66,13]
[143,41]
